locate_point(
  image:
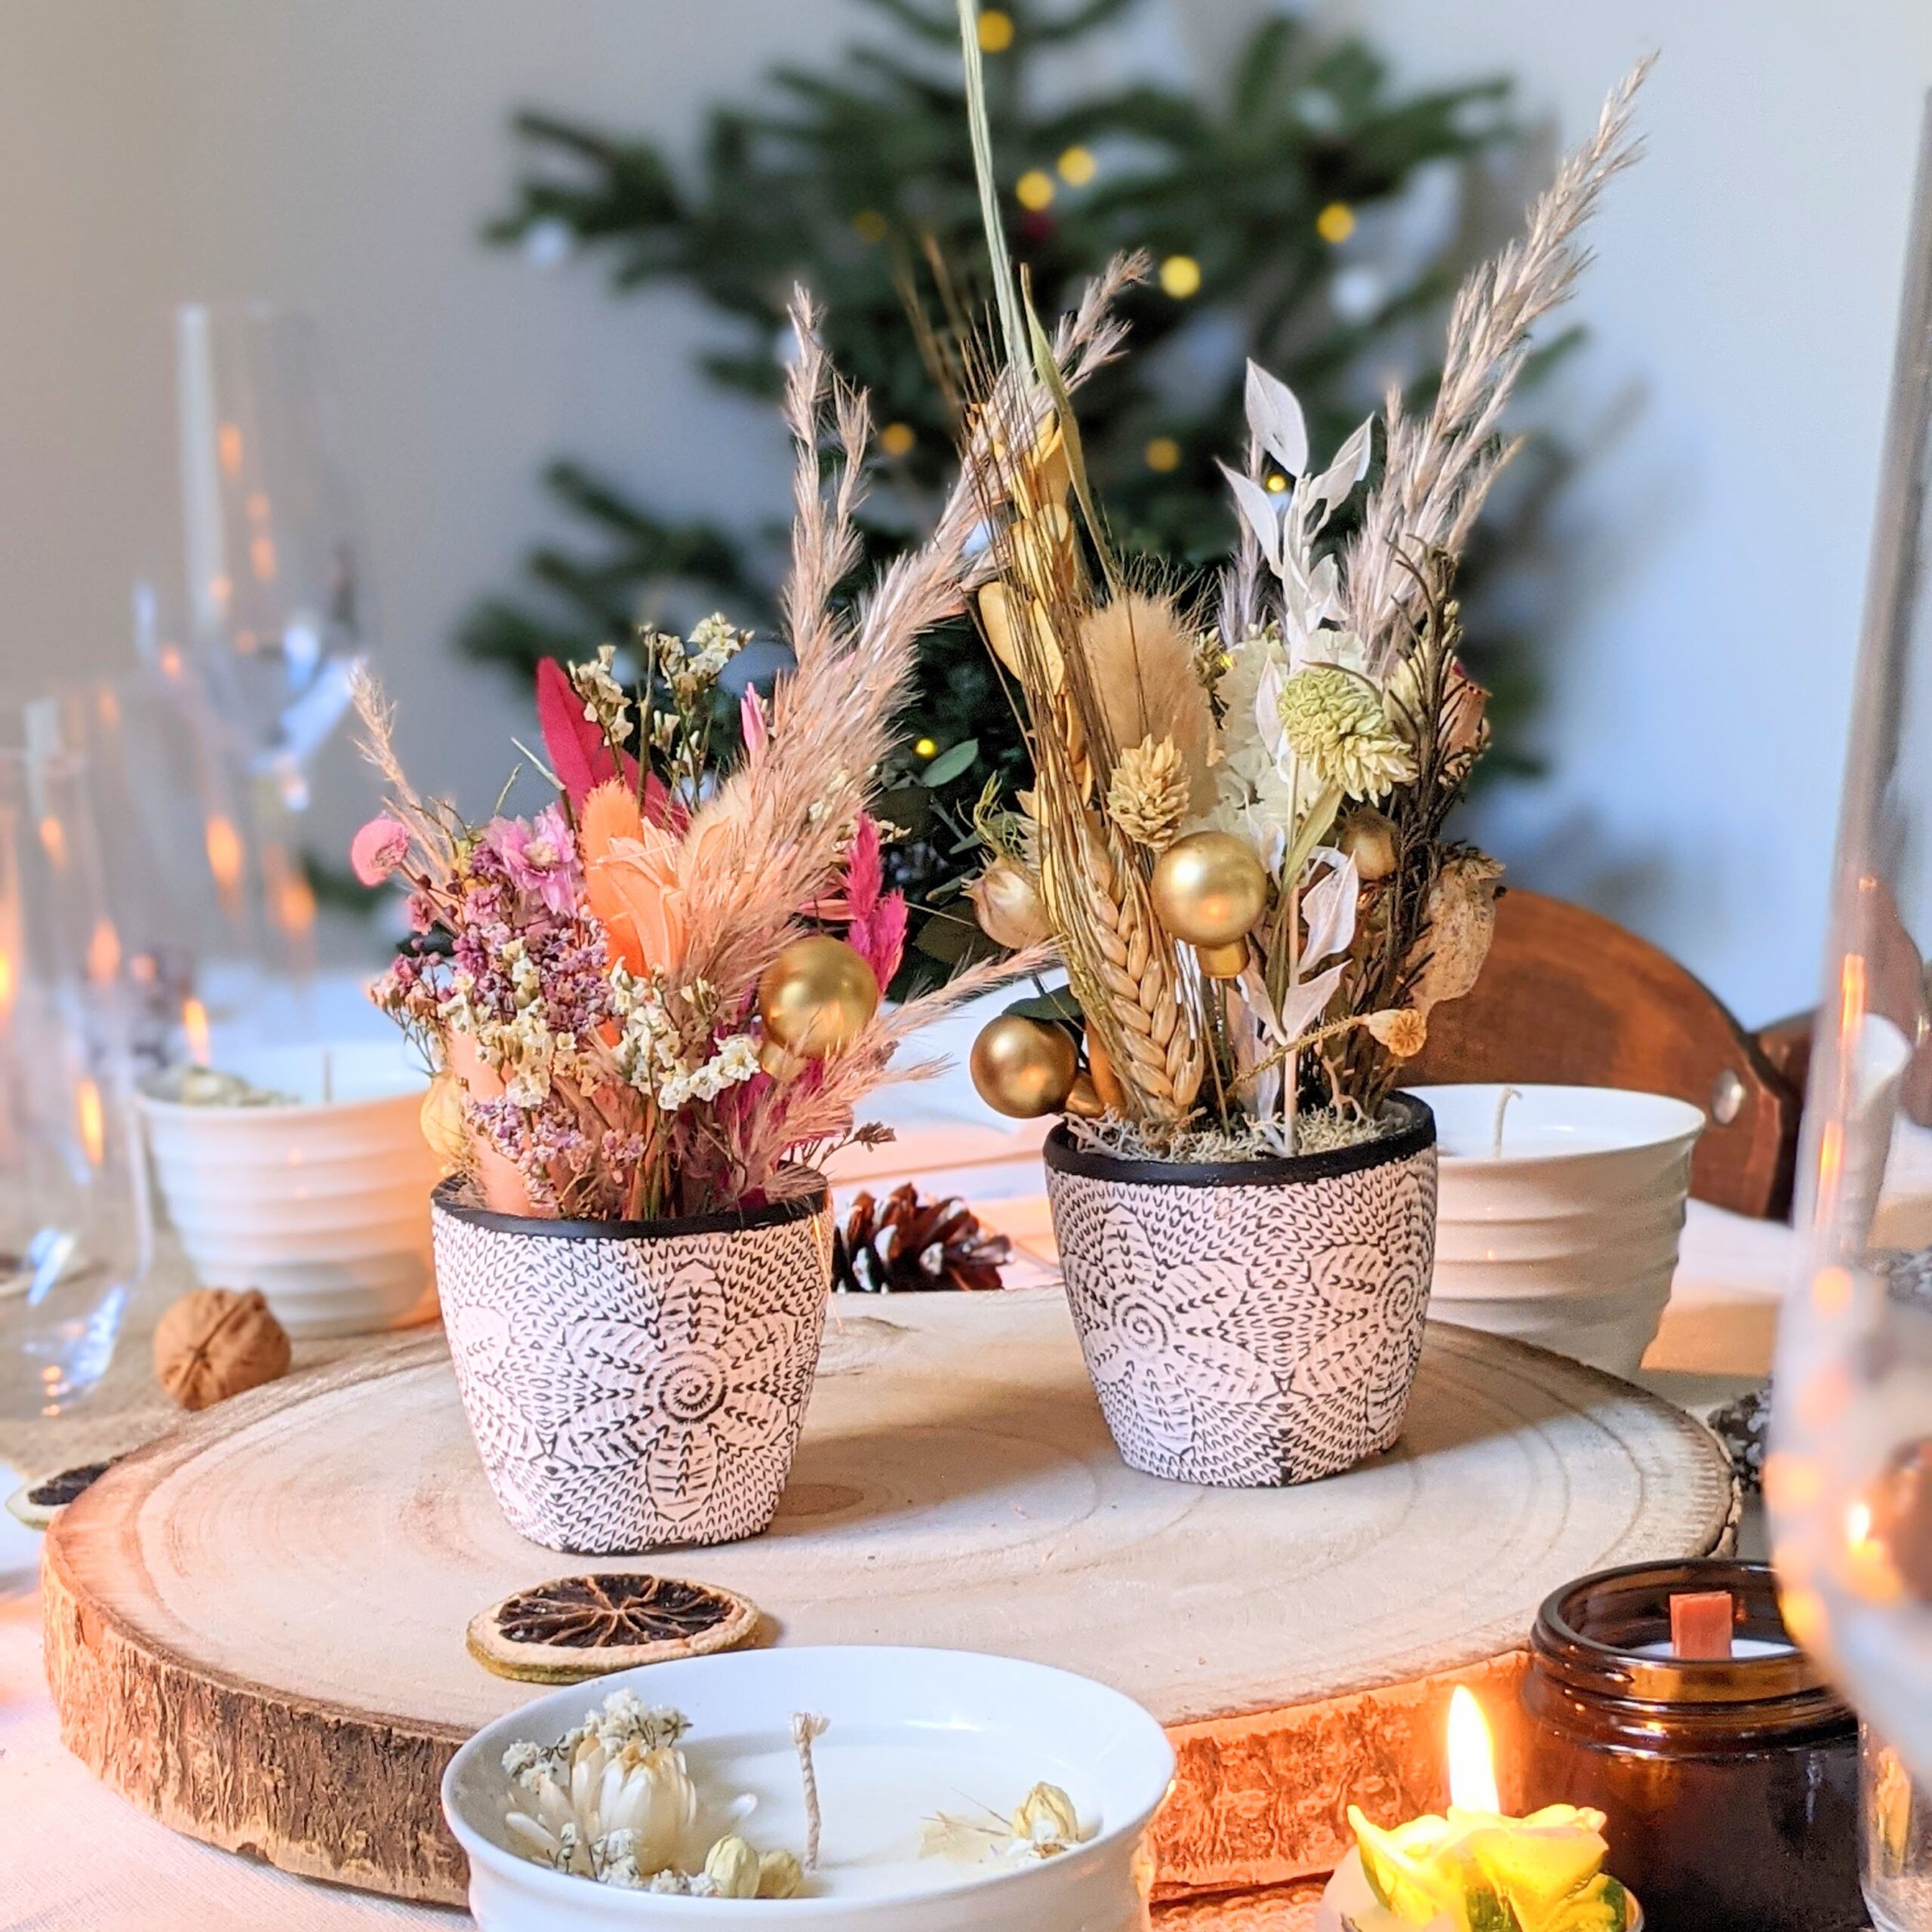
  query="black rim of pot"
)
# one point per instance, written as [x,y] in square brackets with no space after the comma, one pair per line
[743,1220]
[1417,1132]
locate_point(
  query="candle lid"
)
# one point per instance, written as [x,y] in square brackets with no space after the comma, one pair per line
[1609,1635]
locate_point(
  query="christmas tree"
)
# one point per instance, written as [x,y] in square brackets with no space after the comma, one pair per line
[858,181]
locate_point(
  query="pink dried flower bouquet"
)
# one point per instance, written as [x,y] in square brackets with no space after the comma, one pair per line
[601,984]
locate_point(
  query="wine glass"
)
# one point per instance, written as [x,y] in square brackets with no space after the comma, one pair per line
[74,1232]
[275,597]
[1848,1482]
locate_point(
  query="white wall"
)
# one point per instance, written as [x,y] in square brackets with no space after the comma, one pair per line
[339,156]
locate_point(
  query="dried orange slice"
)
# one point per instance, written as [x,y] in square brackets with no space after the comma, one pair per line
[37,1503]
[577,1627]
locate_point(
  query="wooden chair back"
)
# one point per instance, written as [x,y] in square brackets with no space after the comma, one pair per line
[1570,997]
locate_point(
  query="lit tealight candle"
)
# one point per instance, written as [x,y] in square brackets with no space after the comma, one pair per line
[1543,1873]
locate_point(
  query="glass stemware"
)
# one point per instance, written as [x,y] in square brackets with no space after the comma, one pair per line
[1848,1482]
[75,1239]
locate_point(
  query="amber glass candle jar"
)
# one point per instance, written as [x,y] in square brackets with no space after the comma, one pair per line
[1730,1788]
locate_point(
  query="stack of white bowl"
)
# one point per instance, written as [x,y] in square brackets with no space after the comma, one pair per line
[1565,1232]
[323,1202]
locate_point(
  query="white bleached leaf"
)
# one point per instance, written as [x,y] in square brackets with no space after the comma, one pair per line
[1261,511]
[1301,1007]
[1275,419]
[1268,690]
[1329,906]
[1349,467]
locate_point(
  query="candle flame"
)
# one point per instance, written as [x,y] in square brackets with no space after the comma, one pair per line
[54,841]
[1472,1759]
[103,953]
[194,1027]
[223,844]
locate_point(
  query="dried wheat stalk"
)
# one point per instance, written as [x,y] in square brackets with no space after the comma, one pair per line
[1439,469]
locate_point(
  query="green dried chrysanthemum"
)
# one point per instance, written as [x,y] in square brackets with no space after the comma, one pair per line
[1334,720]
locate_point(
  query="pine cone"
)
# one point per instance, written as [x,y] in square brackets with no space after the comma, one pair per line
[1150,797]
[910,1244]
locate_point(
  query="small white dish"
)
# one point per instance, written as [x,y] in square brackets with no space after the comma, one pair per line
[1568,1239]
[322,1203]
[910,1732]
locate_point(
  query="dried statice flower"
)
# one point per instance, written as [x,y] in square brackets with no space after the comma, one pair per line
[604,703]
[1335,721]
[1151,794]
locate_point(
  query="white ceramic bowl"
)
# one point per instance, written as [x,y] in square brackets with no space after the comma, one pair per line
[324,1206]
[1569,1240]
[1009,1724]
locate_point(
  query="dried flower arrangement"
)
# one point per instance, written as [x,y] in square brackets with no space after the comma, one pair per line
[658,995]
[1235,832]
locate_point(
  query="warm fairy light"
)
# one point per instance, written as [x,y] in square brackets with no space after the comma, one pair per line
[1180,276]
[995,31]
[87,1113]
[228,448]
[1858,1524]
[223,844]
[1471,1758]
[258,506]
[54,841]
[1161,455]
[6,985]
[221,590]
[170,663]
[103,953]
[1078,167]
[927,748]
[261,557]
[107,706]
[1831,1290]
[1034,189]
[897,439]
[194,1029]
[295,903]
[1851,994]
[1277,482]
[870,226]
[1336,222]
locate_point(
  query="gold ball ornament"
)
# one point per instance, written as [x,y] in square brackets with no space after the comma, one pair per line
[815,997]
[1208,889]
[442,1122]
[1024,1070]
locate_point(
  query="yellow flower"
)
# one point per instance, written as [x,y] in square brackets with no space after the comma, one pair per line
[1334,720]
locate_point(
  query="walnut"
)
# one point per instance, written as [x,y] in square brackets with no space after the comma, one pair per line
[214,1343]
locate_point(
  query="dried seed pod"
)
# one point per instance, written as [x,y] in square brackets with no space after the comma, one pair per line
[733,1867]
[1046,1818]
[780,1876]
[214,1343]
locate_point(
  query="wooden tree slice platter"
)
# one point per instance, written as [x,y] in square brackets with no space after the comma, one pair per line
[255,1627]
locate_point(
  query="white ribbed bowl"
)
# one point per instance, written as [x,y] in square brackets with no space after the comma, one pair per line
[324,1206]
[1569,1240]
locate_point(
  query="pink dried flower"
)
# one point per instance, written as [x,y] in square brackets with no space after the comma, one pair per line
[540,857]
[378,849]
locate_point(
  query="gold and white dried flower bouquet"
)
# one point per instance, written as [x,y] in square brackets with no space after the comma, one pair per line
[1236,832]
[659,995]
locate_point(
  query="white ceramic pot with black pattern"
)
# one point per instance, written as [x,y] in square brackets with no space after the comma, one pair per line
[633,1384]
[1250,1324]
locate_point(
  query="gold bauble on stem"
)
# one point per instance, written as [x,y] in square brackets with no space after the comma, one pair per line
[815,997]
[442,1122]
[1208,889]
[1022,1069]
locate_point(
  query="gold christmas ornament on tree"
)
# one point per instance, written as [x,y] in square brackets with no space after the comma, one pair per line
[815,997]
[1022,1069]
[1208,889]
